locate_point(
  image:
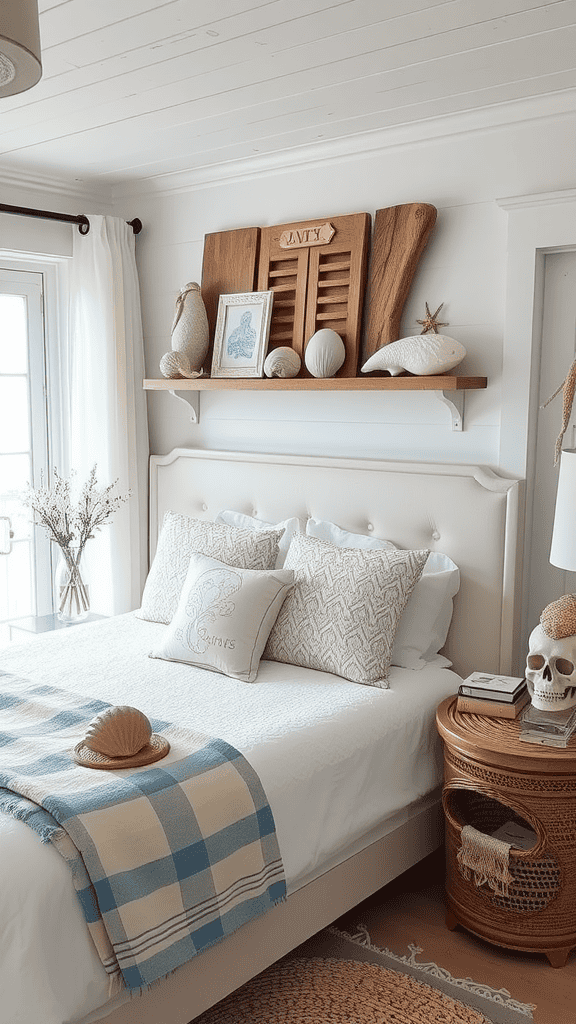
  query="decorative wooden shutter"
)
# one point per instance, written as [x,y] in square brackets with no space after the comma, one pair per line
[316,283]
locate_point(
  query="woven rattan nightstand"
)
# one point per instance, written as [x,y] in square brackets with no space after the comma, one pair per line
[491,777]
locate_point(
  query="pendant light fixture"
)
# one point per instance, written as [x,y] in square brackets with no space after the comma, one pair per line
[20,61]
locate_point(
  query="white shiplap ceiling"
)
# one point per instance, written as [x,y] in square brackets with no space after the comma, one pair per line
[139,93]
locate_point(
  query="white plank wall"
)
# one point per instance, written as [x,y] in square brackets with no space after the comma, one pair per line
[464,266]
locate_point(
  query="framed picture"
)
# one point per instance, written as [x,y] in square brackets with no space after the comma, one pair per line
[241,336]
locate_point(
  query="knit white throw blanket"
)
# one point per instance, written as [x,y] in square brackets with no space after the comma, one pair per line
[485,859]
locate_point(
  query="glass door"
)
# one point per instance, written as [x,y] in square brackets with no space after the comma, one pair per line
[25,568]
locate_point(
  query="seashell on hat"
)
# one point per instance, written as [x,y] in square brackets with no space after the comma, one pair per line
[558,619]
[120,737]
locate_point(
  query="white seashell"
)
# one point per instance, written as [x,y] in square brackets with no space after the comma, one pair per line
[190,332]
[423,355]
[118,732]
[282,362]
[175,364]
[325,353]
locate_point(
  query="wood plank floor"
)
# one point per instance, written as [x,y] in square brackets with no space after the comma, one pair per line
[411,910]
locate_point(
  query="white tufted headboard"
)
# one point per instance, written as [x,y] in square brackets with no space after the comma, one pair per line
[467,512]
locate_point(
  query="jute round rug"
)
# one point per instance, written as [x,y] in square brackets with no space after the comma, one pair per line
[357,985]
[338,992]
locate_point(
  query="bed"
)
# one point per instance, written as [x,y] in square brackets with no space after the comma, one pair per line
[356,798]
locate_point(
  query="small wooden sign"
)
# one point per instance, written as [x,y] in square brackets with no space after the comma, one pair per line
[300,238]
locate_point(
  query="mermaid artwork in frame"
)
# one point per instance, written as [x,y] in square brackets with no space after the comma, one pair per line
[241,336]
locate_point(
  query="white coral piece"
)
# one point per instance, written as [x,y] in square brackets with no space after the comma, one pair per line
[423,355]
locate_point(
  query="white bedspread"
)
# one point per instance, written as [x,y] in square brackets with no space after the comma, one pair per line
[335,758]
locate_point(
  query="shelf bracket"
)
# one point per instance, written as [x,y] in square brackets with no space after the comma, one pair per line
[454,400]
[192,400]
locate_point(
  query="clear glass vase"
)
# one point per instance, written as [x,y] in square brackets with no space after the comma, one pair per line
[71,588]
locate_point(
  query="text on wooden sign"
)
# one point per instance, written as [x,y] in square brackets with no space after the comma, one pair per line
[299,238]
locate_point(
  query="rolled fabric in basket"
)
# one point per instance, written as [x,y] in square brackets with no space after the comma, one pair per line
[485,859]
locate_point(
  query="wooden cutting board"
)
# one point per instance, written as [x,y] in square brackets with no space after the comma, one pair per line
[229,265]
[400,235]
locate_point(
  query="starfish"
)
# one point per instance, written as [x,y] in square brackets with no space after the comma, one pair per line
[430,323]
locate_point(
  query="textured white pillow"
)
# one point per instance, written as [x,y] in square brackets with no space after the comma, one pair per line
[289,526]
[224,616]
[342,612]
[424,624]
[180,536]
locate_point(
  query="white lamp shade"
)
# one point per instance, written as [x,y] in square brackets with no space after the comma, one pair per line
[563,547]
[20,63]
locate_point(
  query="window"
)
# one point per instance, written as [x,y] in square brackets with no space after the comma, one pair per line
[25,570]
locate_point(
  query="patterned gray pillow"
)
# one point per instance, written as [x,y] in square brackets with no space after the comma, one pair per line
[342,613]
[180,536]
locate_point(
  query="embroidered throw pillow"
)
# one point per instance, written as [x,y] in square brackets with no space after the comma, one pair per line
[342,613]
[179,538]
[224,616]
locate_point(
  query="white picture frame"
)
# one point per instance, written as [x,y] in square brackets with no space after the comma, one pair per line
[241,335]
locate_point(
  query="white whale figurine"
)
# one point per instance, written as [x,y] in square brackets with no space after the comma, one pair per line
[423,355]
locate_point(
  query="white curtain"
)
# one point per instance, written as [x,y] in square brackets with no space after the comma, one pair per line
[107,422]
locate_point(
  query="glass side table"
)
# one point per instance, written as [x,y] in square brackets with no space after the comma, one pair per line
[37,624]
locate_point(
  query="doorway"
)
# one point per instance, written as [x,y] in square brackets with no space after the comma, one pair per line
[546,583]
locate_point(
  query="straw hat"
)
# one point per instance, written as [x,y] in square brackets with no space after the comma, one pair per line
[120,737]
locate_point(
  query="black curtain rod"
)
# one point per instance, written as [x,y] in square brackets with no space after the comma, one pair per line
[82,221]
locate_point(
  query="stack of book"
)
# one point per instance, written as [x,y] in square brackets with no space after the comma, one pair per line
[552,728]
[496,696]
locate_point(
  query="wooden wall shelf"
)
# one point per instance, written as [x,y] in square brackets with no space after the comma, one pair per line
[448,388]
[443,382]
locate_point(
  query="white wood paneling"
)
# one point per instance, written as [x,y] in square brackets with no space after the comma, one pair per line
[137,90]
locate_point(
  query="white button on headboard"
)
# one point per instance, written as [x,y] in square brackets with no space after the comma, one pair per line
[435,535]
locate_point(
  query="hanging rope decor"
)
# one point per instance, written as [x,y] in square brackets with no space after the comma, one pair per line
[569,386]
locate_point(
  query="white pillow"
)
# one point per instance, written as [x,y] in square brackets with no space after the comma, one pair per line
[224,616]
[333,534]
[342,613]
[180,536]
[290,527]
[425,621]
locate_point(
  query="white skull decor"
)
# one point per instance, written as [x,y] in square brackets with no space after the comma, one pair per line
[551,663]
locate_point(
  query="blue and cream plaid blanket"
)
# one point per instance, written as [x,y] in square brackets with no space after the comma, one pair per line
[166,859]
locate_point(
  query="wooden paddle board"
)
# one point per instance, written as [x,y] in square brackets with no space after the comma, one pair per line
[400,235]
